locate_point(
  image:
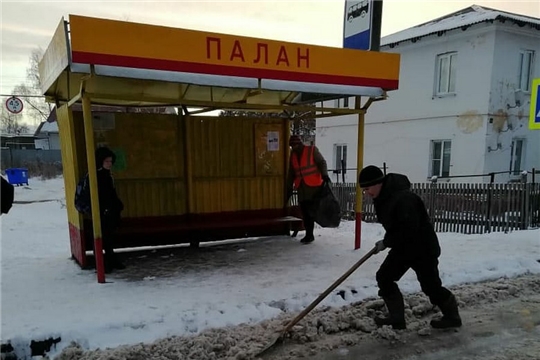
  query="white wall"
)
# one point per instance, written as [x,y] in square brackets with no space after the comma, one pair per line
[326,137]
[54,141]
[511,123]
[415,98]
[399,130]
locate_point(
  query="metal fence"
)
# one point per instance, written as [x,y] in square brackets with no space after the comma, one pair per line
[463,208]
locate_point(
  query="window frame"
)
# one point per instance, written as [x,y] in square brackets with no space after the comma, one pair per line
[337,164]
[513,149]
[528,81]
[441,167]
[450,77]
[342,103]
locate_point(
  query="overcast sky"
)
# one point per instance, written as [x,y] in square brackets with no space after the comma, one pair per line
[30,24]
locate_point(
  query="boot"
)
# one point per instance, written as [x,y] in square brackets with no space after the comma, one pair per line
[396,311]
[116,263]
[119,265]
[108,265]
[309,238]
[450,318]
[112,262]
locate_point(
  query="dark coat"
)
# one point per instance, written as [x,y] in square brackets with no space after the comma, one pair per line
[109,202]
[7,195]
[110,205]
[403,215]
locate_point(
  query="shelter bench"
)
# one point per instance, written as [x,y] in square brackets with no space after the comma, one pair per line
[193,229]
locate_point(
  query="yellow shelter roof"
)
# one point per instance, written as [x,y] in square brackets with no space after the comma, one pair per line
[131,64]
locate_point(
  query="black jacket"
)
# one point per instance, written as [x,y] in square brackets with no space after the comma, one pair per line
[7,195]
[403,215]
[109,202]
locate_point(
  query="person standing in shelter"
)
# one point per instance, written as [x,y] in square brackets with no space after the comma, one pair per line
[307,174]
[110,206]
[413,244]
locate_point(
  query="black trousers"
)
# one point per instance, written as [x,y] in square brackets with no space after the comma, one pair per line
[309,222]
[426,268]
[109,224]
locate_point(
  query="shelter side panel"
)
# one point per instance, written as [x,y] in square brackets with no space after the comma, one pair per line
[72,153]
[235,165]
[149,170]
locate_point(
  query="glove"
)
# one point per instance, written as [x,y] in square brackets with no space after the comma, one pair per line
[326,179]
[379,246]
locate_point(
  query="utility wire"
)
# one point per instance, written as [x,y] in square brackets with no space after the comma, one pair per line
[28,96]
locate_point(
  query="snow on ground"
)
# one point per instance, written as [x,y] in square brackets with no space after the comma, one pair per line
[181,291]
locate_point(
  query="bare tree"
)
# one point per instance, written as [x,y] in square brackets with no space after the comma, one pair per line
[12,123]
[35,107]
[302,124]
[32,71]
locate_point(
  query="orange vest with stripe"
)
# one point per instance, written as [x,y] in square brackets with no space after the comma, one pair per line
[306,169]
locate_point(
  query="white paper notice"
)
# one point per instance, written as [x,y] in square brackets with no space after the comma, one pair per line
[272,141]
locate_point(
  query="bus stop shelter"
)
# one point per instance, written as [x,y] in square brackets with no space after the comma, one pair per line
[185,176]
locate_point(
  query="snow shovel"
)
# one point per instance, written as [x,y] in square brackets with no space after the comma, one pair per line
[279,337]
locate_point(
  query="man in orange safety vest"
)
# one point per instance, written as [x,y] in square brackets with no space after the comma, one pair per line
[307,174]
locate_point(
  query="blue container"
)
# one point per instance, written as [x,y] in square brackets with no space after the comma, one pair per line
[17,176]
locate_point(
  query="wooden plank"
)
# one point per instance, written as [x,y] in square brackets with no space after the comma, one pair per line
[496,207]
[468,199]
[478,209]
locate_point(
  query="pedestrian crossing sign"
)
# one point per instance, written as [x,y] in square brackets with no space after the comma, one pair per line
[534,113]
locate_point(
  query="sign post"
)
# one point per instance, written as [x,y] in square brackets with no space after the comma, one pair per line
[534,113]
[362,24]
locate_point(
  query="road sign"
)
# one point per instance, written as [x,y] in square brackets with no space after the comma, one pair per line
[14,105]
[361,24]
[534,113]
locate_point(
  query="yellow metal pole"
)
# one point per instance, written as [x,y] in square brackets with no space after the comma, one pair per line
[188,163]
[359,166]
[286,155]
[92,174]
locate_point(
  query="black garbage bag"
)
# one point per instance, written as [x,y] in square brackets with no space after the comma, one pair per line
[327,211]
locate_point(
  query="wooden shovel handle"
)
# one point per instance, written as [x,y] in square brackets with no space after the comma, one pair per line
[328,291]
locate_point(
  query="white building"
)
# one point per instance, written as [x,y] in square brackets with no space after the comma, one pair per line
[462,107]
[47,136]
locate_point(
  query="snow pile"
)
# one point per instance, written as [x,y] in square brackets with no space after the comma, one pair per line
[351,323]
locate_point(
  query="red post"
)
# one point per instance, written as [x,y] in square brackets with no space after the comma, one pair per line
[100,264]
[358,231]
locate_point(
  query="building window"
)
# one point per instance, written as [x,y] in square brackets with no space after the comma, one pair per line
[446,74]
[440,157]
[517,157]
[341,103]
[526,58]
[340,158]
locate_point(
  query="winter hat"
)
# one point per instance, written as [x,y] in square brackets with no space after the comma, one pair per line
[102,153]
[295,140]
[370,175]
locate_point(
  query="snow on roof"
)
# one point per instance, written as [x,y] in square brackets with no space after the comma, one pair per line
[464,18]
[49,127]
